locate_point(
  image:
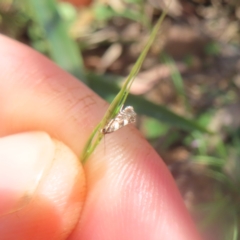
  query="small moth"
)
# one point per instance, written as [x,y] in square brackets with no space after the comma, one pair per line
[123,118]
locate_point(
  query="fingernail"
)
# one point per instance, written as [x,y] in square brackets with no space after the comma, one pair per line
[24,159]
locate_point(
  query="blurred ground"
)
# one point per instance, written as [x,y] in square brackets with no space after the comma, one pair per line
[200,41]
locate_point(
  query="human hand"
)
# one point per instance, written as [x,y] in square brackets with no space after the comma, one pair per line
[124,191]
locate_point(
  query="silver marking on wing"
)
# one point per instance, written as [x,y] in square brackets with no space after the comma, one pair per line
[123,118]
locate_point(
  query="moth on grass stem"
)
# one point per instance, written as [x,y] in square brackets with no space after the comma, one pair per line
[123,118]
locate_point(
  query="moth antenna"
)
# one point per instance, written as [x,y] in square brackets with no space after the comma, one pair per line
[104,144]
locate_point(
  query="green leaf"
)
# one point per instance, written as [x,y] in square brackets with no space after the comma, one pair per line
[208,160]
[216,211]
[220,177]
[142,106]
[235,228]
[145,107]
[176,79]
[154,128]
[103,12]
[62,49]
[213,49]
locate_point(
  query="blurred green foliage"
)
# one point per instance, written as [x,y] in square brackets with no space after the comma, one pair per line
[46,25]
[61,48]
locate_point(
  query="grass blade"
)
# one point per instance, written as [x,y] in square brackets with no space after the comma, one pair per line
[209,160]
[235,228]
[161,113]
[177,79]
[121,97]
[108,90]
[217,209]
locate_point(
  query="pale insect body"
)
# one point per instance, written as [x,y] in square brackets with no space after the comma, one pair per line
[123,118]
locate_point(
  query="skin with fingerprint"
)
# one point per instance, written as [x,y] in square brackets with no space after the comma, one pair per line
[125,192]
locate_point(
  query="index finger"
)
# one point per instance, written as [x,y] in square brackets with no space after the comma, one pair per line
[131,194]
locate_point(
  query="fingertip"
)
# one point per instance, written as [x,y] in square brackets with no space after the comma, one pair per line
[133,195]
[53,209]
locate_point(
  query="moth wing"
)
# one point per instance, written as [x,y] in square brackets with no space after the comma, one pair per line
[125,117]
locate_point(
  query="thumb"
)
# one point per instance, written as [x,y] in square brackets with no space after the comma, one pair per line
[42,187]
